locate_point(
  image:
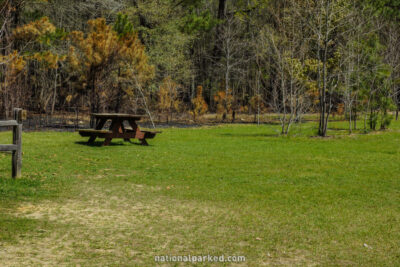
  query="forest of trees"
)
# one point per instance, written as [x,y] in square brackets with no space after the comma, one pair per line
[287,57]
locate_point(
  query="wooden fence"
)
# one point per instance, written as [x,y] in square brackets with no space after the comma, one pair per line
[16,146]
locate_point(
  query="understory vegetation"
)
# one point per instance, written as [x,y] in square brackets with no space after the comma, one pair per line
[168,57]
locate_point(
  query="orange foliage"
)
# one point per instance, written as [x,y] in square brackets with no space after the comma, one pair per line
[244,109]
[15,65]
[34,29]
[256,102]
[48,59]
[102,57]
[199,105]
[168,96]
[340,109]
[224,102]
[102,47]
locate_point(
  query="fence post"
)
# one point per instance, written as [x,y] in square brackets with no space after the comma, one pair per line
[17,140]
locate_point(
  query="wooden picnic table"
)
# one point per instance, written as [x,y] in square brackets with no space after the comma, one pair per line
[117,128]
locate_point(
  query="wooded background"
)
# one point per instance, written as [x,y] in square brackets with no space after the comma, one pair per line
[169,57]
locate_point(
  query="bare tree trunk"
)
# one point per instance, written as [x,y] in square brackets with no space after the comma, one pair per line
[321,98]
[53,104]
[221,15]
[350,125]
[283,120]
[93,100]
[258,96]
[324,115]
[119,94]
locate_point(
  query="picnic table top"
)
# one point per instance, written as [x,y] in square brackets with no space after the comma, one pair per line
[117,115]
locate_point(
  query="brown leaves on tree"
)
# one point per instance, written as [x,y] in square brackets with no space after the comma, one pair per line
[34,30]
[168,100]
[106,63]
[199,105]
[224,101]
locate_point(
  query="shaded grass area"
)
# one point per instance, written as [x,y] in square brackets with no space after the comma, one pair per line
[12,228]
[231,189]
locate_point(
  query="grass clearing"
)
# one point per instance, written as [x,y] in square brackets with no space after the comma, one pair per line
[229,189]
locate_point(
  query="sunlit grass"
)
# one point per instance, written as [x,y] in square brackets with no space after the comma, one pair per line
[230,189]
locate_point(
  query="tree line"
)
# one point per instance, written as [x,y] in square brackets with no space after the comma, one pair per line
[288,57]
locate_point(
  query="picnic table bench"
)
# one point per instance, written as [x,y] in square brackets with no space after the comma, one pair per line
[117,128]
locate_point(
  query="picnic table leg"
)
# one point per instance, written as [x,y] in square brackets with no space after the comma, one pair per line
[136,128]
[99,125]
[143,142]
[115,128]
[107,141]
[133,124]
[124,131]
[92,139]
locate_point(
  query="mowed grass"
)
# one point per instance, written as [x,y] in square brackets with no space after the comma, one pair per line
[223,190]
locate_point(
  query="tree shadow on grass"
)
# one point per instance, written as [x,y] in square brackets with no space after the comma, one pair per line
[250,135]
[13,227]
[269,122]
[14,193]
[100,143]
[338,129]
[14,190]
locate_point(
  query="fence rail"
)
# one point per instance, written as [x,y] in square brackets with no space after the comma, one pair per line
[16,146]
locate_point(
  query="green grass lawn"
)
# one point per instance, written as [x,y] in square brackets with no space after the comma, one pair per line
[224,190]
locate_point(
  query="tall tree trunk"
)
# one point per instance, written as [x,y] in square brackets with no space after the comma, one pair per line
[350,114]
[218,40]
[321,99]
[397,103]
[324,116]
[355,113]
[53,104]
[93,96]
[119,94]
